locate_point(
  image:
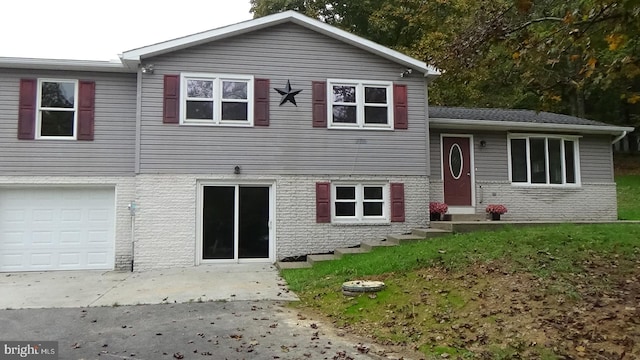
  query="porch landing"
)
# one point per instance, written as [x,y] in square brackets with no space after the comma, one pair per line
[438,228]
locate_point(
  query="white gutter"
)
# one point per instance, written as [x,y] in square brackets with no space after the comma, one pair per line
[63,64]
[443,123]
[624,133]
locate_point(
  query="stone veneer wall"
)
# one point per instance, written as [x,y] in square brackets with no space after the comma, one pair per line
[299,234]
[166,219]
[590,202]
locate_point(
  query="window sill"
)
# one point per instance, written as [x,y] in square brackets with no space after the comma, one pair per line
[56,138]
[360,223]
[216,124]
[547,186]
[338,127]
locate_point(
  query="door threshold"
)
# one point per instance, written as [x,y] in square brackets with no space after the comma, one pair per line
[462,210]
[231,261]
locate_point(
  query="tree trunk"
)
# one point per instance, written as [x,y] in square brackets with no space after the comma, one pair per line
[632,137]
[580,111]
[633,142]
[576,100]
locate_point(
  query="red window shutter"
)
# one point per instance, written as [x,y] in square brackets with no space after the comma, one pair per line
[171,99]
[319,103]
[323,202]
[27,109]
[397,202]
[86,109]
[400,110]
[261,102]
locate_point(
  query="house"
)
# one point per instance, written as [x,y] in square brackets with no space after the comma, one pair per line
[541,166]
[276,137]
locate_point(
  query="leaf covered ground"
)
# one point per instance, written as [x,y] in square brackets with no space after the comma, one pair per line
[567,292]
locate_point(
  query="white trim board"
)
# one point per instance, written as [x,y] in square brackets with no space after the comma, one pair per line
[132,58]
[493,125]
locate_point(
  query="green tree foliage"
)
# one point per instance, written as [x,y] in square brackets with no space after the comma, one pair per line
[578,57]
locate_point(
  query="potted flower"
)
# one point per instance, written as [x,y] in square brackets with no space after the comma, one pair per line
[496,210]
[436,209]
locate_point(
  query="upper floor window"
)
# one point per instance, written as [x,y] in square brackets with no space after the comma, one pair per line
[544,160]
[57,109]
[217,99]
[360,104]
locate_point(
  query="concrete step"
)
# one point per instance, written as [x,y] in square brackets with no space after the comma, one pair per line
[430,233]
[403,238]
[468,217]
[312,259]
[442,225]
[343,251]
[371,244]
[292,265]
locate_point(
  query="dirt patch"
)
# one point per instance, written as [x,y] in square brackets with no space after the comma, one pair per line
[627,164]
[487,311]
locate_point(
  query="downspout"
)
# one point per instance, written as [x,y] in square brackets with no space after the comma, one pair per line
[132,205]
[624,133]
[427,132]
[132,211]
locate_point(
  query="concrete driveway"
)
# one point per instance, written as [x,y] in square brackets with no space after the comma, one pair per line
[68,289]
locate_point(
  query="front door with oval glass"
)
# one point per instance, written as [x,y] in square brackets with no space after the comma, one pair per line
[456,161]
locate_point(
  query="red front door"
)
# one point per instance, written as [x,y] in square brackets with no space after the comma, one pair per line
[456,160]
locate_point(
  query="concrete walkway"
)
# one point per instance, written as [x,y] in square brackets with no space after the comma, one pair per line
[64,289]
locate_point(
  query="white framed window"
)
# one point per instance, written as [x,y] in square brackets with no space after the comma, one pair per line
[57,116]
[543,160]
[360,104]
[211,99]
[359,202]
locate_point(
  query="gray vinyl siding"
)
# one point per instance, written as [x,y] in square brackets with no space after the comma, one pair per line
[435,153]
[111,152]
[491,162]
[596,158]
[290,145]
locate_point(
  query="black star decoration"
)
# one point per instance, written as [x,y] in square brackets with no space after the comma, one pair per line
[288,94]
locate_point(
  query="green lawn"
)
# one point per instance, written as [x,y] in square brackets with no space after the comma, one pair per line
[540,250]
[628,197]
[481,294]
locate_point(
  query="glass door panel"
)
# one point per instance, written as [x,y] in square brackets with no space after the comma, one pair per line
[253,228]
[218,222]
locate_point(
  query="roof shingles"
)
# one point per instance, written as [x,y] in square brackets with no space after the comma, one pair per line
[510,115]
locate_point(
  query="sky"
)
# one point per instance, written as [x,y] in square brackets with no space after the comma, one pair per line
[100,30]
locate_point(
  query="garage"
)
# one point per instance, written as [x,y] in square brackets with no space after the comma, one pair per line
[57,228]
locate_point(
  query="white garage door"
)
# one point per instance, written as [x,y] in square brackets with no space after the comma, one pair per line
[56,229]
